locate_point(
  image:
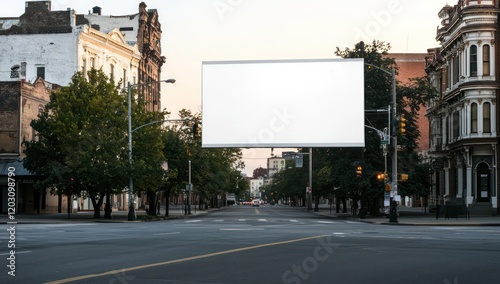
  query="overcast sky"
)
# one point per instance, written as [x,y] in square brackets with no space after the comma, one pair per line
[203,30]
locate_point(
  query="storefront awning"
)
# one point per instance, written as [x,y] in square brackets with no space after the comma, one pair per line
[17,166]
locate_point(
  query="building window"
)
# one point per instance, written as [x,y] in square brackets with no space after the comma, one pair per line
[84,67]
[456,68]
[112,72]
[40,72]
[473,61]
[124,78]
[456,125]
[486,60]
[473,117]
[14,71]
[486,118]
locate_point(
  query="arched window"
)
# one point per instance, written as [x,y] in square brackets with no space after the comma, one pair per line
[473,61]
[486,118]
[473,118]
[486,60]
[112,72]
[456,125]
[84,67]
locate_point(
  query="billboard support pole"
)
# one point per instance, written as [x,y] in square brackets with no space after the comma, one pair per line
[309,191]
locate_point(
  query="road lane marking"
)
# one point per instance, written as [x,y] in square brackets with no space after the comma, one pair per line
[17,252]
[172,233]
[193,221]
[242,220]
[294,221]
[241,229]
[262,220]
[123,270]
[326,222]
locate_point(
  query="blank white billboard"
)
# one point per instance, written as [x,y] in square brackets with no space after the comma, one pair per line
[283,103]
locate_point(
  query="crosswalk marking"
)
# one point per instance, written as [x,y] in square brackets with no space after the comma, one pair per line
[295,221]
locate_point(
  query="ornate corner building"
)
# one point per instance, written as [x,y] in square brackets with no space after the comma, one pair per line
[463,117]
[149,43]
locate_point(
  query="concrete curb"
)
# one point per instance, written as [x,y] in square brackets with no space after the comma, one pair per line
[408,222]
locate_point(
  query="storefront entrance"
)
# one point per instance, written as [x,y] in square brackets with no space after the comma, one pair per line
[483,183]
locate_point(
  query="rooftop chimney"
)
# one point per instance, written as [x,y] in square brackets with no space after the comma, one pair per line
[34,6]
[97,10]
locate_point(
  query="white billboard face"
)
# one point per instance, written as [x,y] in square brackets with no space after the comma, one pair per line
[283,104]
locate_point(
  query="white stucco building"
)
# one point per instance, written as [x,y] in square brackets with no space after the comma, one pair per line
[55,52]
[255,185]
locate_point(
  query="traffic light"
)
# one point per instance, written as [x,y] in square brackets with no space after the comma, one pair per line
[402,125]
[404,177]
[380,176]
[359,171]
[388,187]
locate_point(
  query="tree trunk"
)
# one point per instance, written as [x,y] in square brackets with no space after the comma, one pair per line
[167,202]
[344,205]
[316,203]
[108,207]
[337,205]
[152,203]
[97,205]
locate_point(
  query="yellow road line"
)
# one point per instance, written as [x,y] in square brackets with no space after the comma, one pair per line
[118,271]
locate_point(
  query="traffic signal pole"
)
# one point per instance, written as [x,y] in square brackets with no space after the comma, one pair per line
[393,216]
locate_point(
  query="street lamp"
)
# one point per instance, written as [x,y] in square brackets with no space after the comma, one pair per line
[393,214]
[131,208]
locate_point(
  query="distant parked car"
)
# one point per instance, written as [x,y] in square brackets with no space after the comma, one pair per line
[256,203]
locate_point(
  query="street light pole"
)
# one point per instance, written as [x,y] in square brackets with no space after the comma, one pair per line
[393,217]
[131,207]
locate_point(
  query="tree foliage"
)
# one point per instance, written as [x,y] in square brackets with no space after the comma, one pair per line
[213,171]
[334,169]
[82,145]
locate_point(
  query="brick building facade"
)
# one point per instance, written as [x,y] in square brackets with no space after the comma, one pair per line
[412,65]
[20,103]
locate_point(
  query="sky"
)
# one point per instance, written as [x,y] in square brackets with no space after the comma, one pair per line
[218,30]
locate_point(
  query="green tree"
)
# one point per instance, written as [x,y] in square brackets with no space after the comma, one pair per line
[259,172]
[82,145]
[148,152]
[334,169]
[410,98]
[174,152]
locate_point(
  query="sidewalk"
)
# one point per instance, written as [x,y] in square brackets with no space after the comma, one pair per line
[414,216]
[175,212]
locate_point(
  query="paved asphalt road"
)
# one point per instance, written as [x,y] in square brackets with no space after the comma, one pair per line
[244,244]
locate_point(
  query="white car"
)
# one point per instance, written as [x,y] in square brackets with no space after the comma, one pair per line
[255,203]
